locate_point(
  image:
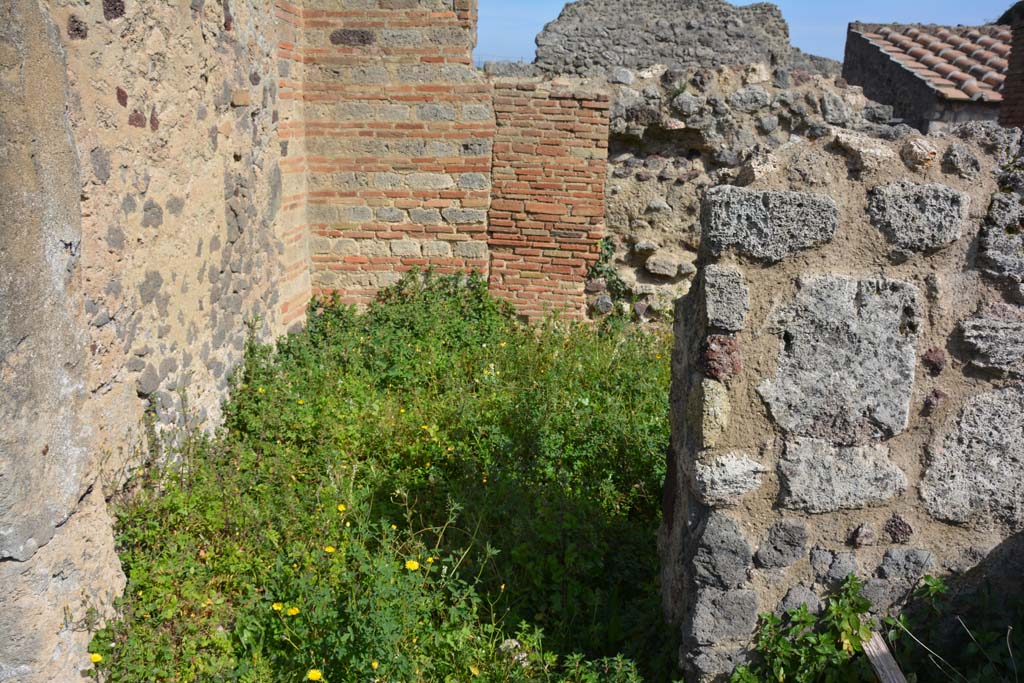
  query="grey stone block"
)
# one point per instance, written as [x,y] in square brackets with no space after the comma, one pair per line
[725,480]
[975,474]
[726,298]
[723,555]
[905,566]
[473,249]
[801,596]
[621,76]
[996,339]
[750,99]
[723,616]
[846,367]
[786,543]
[818,477]
[766,225]
[832,568]
[464,216]
[960,160]
[918,218]
[1002,238]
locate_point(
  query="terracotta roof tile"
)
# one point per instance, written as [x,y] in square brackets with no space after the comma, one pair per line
[961,63]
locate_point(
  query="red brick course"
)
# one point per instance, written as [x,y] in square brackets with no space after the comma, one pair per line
[547,212]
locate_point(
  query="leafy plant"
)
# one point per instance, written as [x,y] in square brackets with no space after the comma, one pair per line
[805,648]
[605,268]
[983,652]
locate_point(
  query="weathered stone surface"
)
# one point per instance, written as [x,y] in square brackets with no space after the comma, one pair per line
[996,339]
[1002,238]
[786,543]
[918,218]
[663,265]
[713,410]
[918,153]
[865,153]
[723,555]
[45,596]
[590,36]
[898,529]
[801,596]
[818,477]
[960,160]
[863,536]
[726,298]
[766,225]
[905,566]
[830,567]
[44,458]
[975,475]
[723,616]
[722,357]
[846,369]
[723,481]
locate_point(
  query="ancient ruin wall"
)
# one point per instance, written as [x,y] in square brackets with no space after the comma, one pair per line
[140,236]
[394,141]
[847,392]
[547,212]
[592,36]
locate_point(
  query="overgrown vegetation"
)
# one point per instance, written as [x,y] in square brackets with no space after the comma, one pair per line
[806,648]
[428,491]
[937,641]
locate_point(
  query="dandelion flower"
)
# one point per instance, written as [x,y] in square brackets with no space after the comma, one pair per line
[430,560]
[394,527]
[95,658]
[374,664]
[301,402]
[314,675]
[474,669]
[341,507]
[277,606]
[329,549]
[292,611]
[412,565]
[425,428]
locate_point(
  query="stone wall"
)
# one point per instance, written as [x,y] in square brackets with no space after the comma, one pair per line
[393,143]
[846,382]
[140,235]
[591,37]
[677,133]
[547,213]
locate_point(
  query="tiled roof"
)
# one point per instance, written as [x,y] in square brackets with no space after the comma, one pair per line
[961,63]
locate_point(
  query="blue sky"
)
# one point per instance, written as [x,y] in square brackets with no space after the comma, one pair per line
[508,27]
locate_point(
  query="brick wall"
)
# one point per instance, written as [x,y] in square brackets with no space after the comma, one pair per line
[393,142]
[547,213]
[1012,111]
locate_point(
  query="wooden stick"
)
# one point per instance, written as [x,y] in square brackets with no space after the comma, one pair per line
[882,661]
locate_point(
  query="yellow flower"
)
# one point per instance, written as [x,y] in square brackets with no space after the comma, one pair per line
[341,507]
[374,664]
[301,402]
[473,668]
[348,524]
[402,411]
[425,428]
[292,611]
[260,390]
[503,344]
[314,675]
[95,658]
[394,527]
[412,565]
[329,549]
[277,606]
[430,560]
